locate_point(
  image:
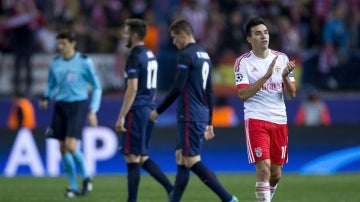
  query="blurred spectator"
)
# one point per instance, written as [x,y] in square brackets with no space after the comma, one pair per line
[22,19]
[21,114]
[290,38]
[233,37]
[194,12]
[212,37]
[336,38]
[312,111]
[46,38]
[152,38]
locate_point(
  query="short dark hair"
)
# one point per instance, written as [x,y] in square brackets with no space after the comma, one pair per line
[181,25]
[137,26]
[67,34]
[252,23]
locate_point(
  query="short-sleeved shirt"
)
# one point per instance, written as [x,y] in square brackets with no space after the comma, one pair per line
[142,64]
[268,103]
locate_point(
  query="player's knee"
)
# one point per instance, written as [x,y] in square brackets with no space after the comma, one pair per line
[275,177]
[263,172]
[179,158]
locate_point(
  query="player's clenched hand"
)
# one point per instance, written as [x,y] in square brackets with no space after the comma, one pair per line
[289,67]
[153,115]
[119,125]
[92,119]
[209,132]
[271,68]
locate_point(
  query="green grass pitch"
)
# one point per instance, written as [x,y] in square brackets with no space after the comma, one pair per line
[292,188]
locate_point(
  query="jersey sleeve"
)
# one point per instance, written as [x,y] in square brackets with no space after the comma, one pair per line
[133,66]
[209,98]
[93,79]
[182,74]
[183,69]
[241,76]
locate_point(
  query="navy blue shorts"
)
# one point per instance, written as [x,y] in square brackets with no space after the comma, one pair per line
[68,119]
[190,137]
[139,127]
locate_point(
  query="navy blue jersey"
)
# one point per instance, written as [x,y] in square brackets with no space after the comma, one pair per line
[142,64]
[193,88]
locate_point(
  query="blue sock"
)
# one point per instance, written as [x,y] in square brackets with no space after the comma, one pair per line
[70,170]
[181,181]
[133,179]
[209,178]
[155,171]
[79,160]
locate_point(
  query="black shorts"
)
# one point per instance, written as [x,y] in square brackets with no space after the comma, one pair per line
[68,119]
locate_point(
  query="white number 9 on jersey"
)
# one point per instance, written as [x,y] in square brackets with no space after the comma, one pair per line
[205,73]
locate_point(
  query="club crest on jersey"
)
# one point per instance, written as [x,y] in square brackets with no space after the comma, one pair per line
[132,71]
[258,151]
[239,77]
[277,67]
[182,66]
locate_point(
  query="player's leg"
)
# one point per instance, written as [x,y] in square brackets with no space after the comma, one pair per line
[262,186]
[274,178]
[181,179]
[76,113]
[59,129]
[131,146]
[148,164]
[133,177]
[69,165]
[156,172]
[258,147]
[191,141]
[279,155]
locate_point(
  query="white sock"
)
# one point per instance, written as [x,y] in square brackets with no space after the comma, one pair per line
[262,192]
[273,190]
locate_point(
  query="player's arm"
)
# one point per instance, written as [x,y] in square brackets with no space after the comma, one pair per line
[209,131]
[244,93]
[180,82]
[95,94]
[129,97]
[132,71]
[51,85]
[288,80]
[95,86]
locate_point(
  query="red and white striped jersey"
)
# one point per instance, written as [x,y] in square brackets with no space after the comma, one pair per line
[268,103]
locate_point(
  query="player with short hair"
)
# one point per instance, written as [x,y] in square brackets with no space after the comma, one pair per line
[133,120]
[69,74]
[193,91]
[263,76]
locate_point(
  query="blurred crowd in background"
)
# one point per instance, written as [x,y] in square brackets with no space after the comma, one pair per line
[321,35]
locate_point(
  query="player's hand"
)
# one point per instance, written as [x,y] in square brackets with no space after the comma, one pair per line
[271,68]
[289,67]
[209,132]
[43,104]
[119,125]
[153,115]
[92,119]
